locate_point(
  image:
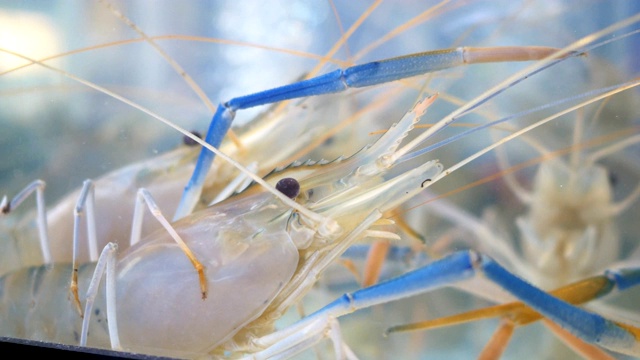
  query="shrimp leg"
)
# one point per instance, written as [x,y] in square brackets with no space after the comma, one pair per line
[517,314]
[144,197]
[7,206]
[106,263]
[368,74]
[464,265]
[85,200]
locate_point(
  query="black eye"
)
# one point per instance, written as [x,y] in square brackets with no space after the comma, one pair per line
[613,179]
[189,141]
[289,186]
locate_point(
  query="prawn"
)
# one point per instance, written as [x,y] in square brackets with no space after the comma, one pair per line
[189,252]
[171,169]
[253,246]
[335,214]
[240,92]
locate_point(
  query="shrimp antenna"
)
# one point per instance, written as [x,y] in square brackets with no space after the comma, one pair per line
[515,79]
[619,89]
[511,117]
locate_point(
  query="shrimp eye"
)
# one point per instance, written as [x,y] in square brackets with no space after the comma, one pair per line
[189,141]
[613,178]
[289,186]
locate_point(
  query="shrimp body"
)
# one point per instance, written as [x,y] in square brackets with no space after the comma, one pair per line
[29,293]
[164,176]
[255,250]
[161,175]
[247,263]
[569,232]
[155,281]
